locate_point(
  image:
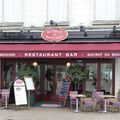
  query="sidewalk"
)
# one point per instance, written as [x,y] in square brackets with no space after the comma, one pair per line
[54,114]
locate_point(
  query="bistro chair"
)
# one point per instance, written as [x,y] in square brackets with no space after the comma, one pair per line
[98,99]
[88,103]
[4,94]
[72,98]
[113,104]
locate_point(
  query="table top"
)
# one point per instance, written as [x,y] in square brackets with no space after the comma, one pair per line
[107,96]
[79,95]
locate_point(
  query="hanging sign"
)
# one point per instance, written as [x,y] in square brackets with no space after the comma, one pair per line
[20,92]
[54,34]
[29,83]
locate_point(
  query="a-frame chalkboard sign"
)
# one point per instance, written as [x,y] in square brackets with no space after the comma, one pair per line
[65,86]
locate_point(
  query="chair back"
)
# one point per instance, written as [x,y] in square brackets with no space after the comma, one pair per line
[72,94]
[5,92]
[73,97]
[98,95]
[93,94]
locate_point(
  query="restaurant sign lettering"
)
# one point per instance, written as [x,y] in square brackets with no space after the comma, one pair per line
[54,34]
[62,54]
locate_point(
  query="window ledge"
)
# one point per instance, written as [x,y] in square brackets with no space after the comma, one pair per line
[61,23]
[105,22]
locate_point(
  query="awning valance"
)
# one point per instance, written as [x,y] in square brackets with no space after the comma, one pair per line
[111,50]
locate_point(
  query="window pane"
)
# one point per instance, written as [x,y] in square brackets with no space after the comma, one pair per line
[106,78]
[57,10]
[91,83]
[60,74]
[105,10]
[12,10]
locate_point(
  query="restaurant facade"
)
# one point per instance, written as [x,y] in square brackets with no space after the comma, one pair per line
[46,54]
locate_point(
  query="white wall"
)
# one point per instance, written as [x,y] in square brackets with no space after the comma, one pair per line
[117,75]
[118,10]
[77,12]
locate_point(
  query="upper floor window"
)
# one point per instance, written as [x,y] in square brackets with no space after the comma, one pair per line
[105,9]
[57,10]
[11,10]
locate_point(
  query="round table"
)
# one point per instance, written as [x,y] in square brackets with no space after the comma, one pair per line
[78,96]
[105,102]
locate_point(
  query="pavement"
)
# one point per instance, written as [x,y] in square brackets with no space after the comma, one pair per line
[38,113]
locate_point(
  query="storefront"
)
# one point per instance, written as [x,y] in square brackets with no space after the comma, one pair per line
[100,58]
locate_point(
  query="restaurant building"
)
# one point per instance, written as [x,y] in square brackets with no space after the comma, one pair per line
[39,38]
[48,51]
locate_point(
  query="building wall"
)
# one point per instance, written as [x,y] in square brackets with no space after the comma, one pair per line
[77,12]
[117,75]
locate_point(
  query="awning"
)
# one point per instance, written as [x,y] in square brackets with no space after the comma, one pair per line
[111,50]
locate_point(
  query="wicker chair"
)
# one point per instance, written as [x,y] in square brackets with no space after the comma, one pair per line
[88,103]
[113,105]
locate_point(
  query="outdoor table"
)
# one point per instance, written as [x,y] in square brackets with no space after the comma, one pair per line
[105,101]
[78,96]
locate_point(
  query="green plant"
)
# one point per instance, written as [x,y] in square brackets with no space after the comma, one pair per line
[24,70]
[88,93]
[78,73]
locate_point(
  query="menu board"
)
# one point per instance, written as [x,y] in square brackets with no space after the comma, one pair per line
[20,92]
[65,87]
[29,83]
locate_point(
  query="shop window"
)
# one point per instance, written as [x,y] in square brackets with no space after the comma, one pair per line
[60,75]
[91,83]
[106,78]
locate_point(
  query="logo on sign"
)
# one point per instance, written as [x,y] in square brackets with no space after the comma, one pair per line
[54,34]
[19,82]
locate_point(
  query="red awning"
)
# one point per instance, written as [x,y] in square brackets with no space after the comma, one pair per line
[59,47]
[111,50]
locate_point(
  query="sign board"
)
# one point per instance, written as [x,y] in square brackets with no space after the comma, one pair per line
[20,92]
[54,34]
[29,83]
[65,88]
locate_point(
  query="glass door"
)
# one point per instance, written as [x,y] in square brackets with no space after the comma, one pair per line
[106,77]
[60,75]
[91,83]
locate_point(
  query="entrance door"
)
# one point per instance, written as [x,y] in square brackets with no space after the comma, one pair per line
[54,75]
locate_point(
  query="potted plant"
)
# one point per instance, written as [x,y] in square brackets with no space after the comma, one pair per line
[78,73]
[24,70]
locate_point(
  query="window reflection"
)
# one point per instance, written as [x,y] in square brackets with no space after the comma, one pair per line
[106,78]
[91,83]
